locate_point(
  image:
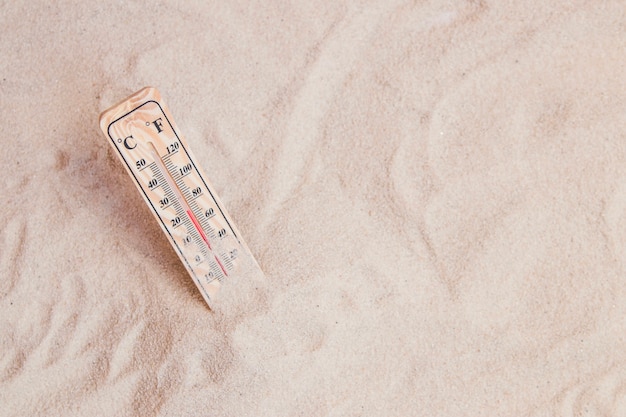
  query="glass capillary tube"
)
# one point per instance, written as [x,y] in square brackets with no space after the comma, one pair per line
[179,196]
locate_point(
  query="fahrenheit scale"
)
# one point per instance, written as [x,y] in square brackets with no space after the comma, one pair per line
[158,159]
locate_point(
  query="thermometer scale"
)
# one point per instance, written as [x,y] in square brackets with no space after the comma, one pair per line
[158,159]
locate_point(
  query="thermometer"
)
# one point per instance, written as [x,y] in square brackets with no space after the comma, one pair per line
[157,157]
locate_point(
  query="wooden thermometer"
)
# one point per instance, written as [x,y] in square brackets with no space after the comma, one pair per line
[145,137]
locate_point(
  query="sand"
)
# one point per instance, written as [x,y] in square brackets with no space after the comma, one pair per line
[435,190]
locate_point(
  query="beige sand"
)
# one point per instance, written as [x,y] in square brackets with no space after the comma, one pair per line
[436,191]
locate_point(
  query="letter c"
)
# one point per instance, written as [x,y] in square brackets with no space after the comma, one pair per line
[130,143]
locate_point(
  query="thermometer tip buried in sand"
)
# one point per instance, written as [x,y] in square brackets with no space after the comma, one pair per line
[157,157]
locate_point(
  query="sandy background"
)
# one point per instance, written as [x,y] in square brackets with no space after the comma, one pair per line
[436,191]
